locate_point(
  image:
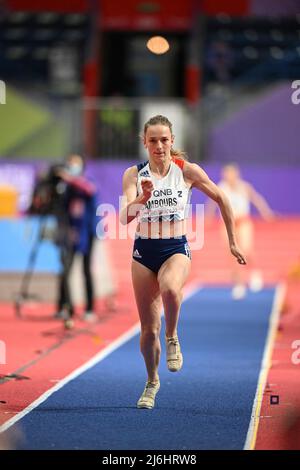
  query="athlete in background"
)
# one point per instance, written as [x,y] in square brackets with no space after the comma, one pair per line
[241,195]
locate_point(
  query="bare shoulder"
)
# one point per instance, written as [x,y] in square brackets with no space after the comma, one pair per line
[193,172]
[129,183]
[130,175]
[130,172]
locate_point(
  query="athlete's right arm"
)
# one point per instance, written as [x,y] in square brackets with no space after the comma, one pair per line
[131,203]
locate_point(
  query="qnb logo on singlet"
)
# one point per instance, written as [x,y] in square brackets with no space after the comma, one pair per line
[161,198]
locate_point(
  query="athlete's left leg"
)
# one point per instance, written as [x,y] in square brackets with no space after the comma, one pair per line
[171,278]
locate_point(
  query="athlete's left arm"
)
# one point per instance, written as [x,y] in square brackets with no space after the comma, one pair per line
[200,180]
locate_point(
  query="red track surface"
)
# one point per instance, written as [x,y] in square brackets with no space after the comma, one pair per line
[279,426]
[41,353]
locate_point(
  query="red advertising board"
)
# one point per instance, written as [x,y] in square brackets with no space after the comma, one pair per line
[139,15]
[73,6]
[146,15]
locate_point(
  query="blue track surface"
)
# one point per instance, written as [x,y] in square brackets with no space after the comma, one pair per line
[205,406]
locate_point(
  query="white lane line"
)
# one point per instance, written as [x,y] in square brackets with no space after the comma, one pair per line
[265,366]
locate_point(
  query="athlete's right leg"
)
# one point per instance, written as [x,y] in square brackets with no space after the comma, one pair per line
[149,306]
[245,238]
[238,273]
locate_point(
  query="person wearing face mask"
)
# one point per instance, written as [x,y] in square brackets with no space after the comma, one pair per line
[80,209]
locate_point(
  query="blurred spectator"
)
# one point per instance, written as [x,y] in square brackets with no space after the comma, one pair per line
[80,205]
[219,62]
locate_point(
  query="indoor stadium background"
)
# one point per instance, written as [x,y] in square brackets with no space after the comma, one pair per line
[77,77]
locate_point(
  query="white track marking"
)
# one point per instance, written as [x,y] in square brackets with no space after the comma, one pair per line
[189,291]
[265,366]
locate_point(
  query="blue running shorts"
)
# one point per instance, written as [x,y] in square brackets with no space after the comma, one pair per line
[153,252]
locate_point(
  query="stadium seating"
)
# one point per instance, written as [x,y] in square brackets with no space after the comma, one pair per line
[254,49]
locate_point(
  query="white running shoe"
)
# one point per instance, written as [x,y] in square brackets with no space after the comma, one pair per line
[238,292]
[174,355]
[68,324]
[256,282]
[90,317]
[147,399]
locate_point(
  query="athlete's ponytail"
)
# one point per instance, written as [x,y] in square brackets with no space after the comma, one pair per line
[177,153]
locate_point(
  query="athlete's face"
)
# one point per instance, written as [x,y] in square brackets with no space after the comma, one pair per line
[231,174]
[158,140]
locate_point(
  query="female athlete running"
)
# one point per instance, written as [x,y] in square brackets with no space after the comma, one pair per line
[157,192]
[241,195]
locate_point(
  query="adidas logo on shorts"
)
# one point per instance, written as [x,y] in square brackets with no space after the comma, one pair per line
[136,254]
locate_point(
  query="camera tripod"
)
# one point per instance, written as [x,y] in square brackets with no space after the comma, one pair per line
[24,294]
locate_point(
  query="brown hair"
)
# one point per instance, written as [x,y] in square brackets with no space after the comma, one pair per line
[164,121]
